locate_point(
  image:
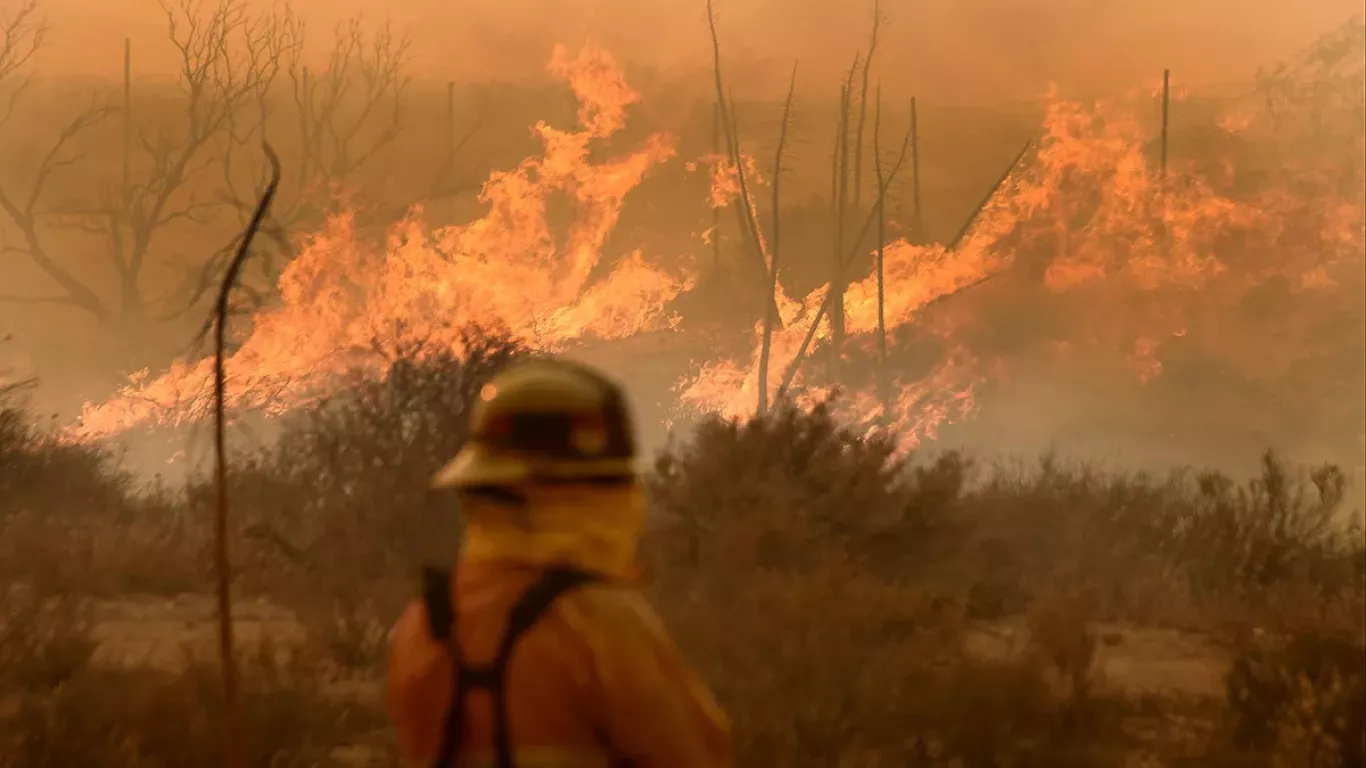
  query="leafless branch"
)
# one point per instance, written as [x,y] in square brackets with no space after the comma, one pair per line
[336,106]
[840,201]
[22,214]
[883,382]
[340,122]
[824,308]
[863,106]
[22,32]
[232,696]
[225,60]
[769,319]
[749,228]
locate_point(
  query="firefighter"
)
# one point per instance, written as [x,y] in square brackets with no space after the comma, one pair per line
[535,650]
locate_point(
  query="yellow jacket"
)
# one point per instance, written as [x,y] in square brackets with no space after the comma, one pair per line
[597,682]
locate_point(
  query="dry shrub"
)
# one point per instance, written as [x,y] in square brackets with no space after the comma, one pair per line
[1061,639]
[824,655]
[43,642]
[72,521]
[60,709]
[1301,699]
[156,554]
[336,516]
[824,585]
[1180,550]
[832,666]
[799,477]
[43,474]
[117,718]
[1273,529]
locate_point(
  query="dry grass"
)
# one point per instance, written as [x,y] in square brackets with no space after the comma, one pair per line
[825,588]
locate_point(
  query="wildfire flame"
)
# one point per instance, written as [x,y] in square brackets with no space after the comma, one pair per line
[1089,212]
[346,304]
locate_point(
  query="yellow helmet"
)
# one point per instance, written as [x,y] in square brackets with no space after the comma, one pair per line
[545,419]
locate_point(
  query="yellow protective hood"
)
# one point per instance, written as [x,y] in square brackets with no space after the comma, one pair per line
[589,526]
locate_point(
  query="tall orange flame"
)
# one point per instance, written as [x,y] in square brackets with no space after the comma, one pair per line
[1088,213]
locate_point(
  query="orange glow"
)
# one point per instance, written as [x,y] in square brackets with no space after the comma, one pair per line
[1088,212]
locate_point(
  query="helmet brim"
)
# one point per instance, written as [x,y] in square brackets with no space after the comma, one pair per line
[477,465]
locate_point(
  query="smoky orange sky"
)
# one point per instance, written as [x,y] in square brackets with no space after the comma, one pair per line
[944,50]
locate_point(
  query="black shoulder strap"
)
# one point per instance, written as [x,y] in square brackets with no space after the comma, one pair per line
[528,610]
[436,596]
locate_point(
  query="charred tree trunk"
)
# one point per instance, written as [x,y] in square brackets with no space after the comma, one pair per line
[883,374]
[917,222]
[863,111]
[770,307]
[838,266]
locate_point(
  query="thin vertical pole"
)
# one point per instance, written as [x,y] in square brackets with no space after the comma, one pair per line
[1166,97]
[306,126]
[716,212]
[127,114]
[916,221]
[450,139]
[450,120]
[883,390]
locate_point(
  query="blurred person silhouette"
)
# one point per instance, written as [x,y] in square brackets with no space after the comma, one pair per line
[535,650]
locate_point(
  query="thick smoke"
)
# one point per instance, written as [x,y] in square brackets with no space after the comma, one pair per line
[943,50]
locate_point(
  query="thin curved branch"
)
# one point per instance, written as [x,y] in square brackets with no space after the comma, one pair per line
[231,693]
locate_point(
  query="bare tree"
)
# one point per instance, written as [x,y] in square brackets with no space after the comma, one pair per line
[774,241]
[22,32]
[373,69]
[25,216]
[21,35]
[749,226]
[863,107]
[224,57]
[840,205]
[340,119]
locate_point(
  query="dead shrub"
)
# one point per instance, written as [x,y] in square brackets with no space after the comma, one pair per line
[1181,550]
[781,593]
[352,470]
[824,584]
[1061,638]
[799,476]
[72,521]
[43,640]
[337,514]
[117,718]
[1275,528]
[42,474]
[1302,698]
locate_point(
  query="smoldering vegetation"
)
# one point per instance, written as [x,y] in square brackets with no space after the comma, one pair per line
[850,607]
